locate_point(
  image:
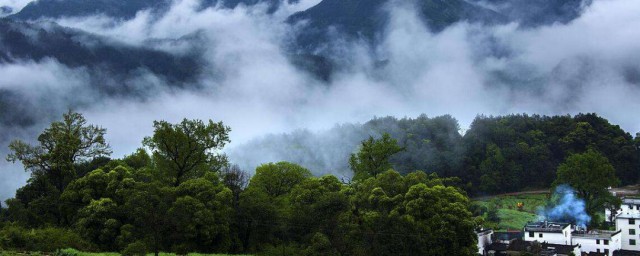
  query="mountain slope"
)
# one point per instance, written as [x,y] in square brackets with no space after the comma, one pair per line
[121,9]
[368,18]
[20,41]
[536,13]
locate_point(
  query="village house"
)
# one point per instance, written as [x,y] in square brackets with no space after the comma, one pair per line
[484,239]
[548,232]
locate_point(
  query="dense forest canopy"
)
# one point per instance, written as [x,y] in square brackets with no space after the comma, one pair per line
[495,154]
[179,193]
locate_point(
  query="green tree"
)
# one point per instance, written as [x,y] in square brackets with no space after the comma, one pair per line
[188,149]
[59,148]
[264,206]
[99,184]
[373,156]
[590,174]
[277,179]
[316,205]
[201,216]
[147,206]
[391,214]
[428,210]
[100,223]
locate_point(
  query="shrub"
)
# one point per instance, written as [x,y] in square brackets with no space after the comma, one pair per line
[44,240]
[66,252]
[281,249]
[135,248]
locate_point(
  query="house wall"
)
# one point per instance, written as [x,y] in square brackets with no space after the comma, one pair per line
[577,251]
[626,236]
[549,237]
[591,245]
[484,240]
[626,208]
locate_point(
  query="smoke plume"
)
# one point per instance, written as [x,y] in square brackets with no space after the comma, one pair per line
[565,207]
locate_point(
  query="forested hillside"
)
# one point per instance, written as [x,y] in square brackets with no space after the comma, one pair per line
[181,195]
[495,155]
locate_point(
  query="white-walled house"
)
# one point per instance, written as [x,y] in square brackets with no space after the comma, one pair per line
[629,205]
[592,241]
[600,241]
[548,232]
[484,239]
[629,225]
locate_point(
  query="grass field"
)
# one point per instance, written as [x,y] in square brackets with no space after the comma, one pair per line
[511,217]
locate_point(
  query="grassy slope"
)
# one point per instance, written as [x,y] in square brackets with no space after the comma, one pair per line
[510,216]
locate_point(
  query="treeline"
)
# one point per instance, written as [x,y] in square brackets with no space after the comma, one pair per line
[495,155]
[180,194]
[508,153]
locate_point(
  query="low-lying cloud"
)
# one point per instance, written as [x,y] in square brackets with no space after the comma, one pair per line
[588,65]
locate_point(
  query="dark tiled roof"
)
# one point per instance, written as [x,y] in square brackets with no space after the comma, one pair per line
[499,247]
[507,236]
[596,234]
[543,226]
[560,248]
[520,245]
[625,253]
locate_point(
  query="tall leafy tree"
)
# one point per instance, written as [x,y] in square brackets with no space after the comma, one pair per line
[201,216]
[264,204]
[373,156]
[188,149]
[590,174]
[59,148]
[147,206]
[277,179]
[52,163]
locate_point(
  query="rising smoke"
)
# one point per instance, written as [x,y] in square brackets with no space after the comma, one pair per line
[565,207]
[588,65]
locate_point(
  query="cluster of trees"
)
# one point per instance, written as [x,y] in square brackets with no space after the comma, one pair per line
[180,194]
[507,153]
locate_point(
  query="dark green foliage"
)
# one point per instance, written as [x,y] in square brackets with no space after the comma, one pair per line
[504,154]
[373,157]
[590,174]
[137,248]
[186,198]
[52,162]
[43,240]
[492,214]
[278,179]
[59,148]
[65,252]
[188,149]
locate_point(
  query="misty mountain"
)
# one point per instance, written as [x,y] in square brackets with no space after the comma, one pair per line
[120,9]
[327,24]
[536,13]
[368,18]
[4,10]
[21,41]
[109,68]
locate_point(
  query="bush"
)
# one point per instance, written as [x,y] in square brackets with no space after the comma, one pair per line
[66,252]
[281,249]
[44,240]
[13,237]
[135,248]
